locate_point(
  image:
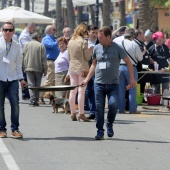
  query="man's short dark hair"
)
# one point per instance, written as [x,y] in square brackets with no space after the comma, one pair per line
[106,30]
[9,23]
[92,27]
[129,32]
[137,32]
[122,29]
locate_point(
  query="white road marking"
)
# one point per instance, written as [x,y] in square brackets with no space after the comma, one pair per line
[8,158]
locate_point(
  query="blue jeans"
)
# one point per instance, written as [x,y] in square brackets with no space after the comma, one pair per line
[101,91]
[124,80]
[10,88]
[90,95]
[25,91]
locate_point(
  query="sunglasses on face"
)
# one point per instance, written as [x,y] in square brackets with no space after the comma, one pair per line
[6,30]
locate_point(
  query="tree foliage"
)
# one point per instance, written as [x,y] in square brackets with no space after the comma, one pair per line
[164,3]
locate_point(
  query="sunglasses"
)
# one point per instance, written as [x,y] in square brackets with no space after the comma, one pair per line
[6,30]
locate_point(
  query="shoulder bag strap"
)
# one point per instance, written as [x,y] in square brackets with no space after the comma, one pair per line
[128,53]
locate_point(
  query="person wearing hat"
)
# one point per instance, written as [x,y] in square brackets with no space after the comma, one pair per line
[159,53]
[34,64]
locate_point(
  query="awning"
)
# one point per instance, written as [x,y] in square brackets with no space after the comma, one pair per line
[39,4]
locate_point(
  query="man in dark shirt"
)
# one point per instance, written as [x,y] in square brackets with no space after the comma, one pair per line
[159,53]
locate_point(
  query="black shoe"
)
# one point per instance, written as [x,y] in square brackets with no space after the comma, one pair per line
[25,98]
[100,135]
[110,131]
[91,116]
[33,104]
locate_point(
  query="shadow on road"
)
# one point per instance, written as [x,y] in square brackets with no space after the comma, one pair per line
[67,138]
[71,138]
[128,121]
[137,140]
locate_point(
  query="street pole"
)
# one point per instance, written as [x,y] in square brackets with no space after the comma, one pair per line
[32,5]
[97,13]
[10,2]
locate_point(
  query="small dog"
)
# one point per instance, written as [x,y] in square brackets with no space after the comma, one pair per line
[60,103]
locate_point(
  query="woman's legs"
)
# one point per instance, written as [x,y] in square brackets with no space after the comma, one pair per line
[81,95]
[72,97]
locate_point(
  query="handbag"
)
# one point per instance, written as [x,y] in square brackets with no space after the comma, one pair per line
[84,73]
[138,63]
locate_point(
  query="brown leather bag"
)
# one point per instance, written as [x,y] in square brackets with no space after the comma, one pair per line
[84,73]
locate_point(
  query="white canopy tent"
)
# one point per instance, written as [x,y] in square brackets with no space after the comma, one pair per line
[19,15]
[39,4]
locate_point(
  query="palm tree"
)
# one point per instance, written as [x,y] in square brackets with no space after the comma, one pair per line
[59,19]
[106,12]
[3,4]
[46,6]
[92,13]
[122,10]
[70,14]
[154,13]
[79,14]
[148,17]
[164,3]
[27,5]
[144,15]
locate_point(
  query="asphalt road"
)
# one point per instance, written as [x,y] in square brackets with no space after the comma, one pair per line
[53,142]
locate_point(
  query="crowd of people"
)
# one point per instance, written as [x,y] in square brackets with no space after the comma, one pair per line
[99,61]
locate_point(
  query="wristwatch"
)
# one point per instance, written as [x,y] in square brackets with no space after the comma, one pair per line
[21,80]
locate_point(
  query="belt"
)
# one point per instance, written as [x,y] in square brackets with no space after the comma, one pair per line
[50,60]
[125,65]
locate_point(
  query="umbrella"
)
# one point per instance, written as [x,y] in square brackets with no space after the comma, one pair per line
[19,15]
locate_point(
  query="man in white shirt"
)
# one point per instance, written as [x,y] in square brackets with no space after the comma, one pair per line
[10,73]
[24,38]
[134,53]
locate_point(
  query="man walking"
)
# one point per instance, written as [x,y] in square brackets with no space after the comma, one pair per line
[105,65]
[35,65]
[10,73]
[24,38]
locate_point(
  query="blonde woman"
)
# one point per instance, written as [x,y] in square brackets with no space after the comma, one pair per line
[79,55]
